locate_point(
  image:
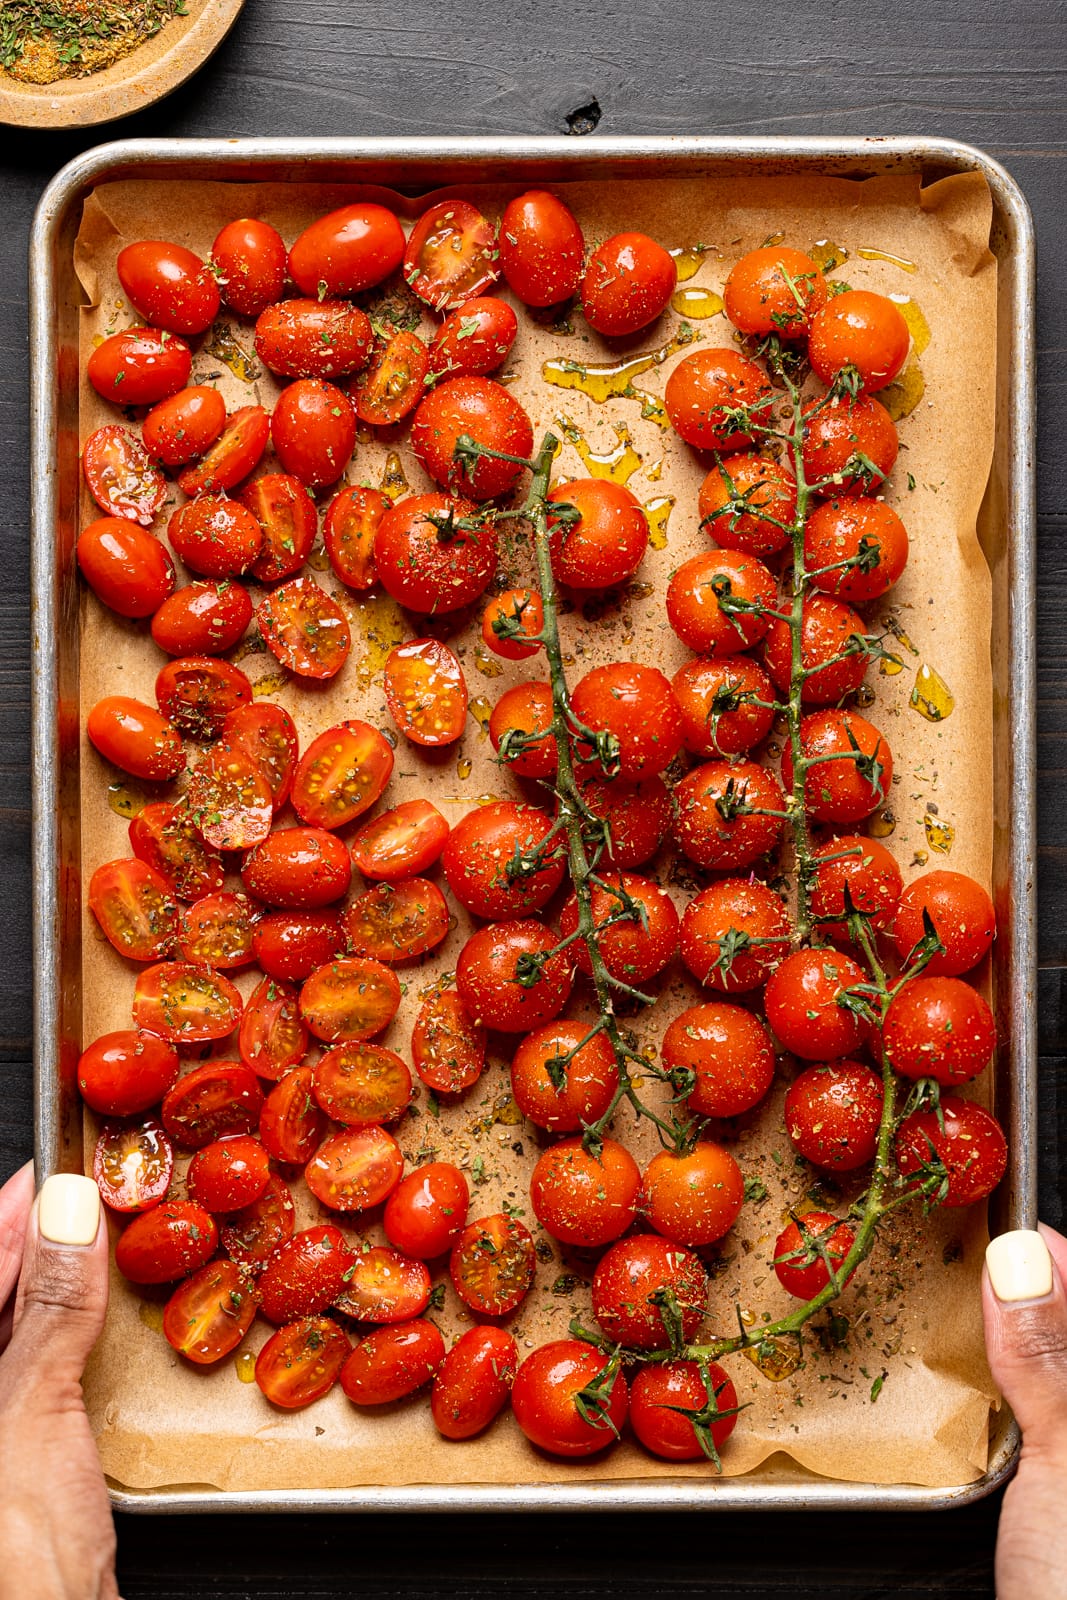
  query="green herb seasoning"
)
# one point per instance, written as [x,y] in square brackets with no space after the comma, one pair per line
[42,41]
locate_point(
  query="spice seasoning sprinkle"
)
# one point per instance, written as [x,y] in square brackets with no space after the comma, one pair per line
[42,41]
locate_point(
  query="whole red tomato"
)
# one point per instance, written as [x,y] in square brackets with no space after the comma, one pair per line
[569,1399]
[483,411]
[628,283]
[168,285]
[541,248]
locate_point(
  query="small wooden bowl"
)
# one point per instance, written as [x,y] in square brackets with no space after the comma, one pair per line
[137,80]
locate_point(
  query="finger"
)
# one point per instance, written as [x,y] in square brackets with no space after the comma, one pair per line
[62,1294]
[1025,1309]
[16,1199]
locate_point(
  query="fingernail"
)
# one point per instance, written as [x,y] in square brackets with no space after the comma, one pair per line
[68,1209]
[1020,1267]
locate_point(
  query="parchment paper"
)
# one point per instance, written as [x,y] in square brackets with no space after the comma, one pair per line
[914,1314]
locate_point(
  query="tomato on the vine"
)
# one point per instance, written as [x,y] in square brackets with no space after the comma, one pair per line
[696,590]
[850,446]
[799,1265]
[855,549]
[641,942]
[733,934]
[636,704]
[727,706]
[481,410]
[728,1052]
[426,692]
[492,1264]
[870,874]
[631,1285]
[718,399]
[862,333]
[526,709]
[569,1399]
[637,816]
[585,1199]
[851,766]
[833,1112]
[833,651]
[959,1150]
[748,503]
[509,979]
[814,1004]
[692,1197]
[628,282]
[604,543]
[939,1028]
[774,289]
[511,617]
[433,553]
[584,1064]
[496,861]
[662,1400]
[728,814]
[541,248]
[962,916]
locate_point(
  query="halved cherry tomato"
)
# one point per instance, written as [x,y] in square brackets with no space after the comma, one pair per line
[313,338]
[526,708]
[298,869]
[209,1314]
[251,1236]
[291,944]
[348,532]
[306,1274]
[451,255]
[166,837]
[473,1382]
[392,1363]
[229,800]
[267,735]
[473,340]
[400,843]
[426,692]
[493,965]
[185,1004]
[704,392]
[433,553]
[352,998]
[139,367]
[203,619]
[216,931]
[216,537]
[427,1210]
[272,1037]
[286,513]
[228,1173]
[135,737]
[500,861]
[305,629]
[542,251]
[588,1080]
[168,285]
[232,456]
[479,409]
[301,1362]
[359,1084]
[133,1164]
[355,1169]
[585,1199]
[126,1071]
[127,568]
[385,1287]
[197,694]
[694,1198]
[218,1098]
[392,383]
[508,619]
[447,1047]
[121,479]
[492,1264]
[249,259]
[291,1125]
[605,543]
[169,1241]
[186,426]
[347,251]
[397,921]
[133,906]
[341,774]
[627,284]
[313,430]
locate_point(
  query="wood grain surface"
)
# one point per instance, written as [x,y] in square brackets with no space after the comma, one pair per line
[990,74]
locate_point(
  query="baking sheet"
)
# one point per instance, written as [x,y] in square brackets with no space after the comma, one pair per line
[161,1423]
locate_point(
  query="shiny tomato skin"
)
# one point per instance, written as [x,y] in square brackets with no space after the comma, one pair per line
[267,735]
[638,815]
[694,611]
[862,331]
[291,1125]
[305,1275]
[251,1236]
[202,619]
[971,1147]
[635,703]
[487,976]
[744,500]
[393,381]
[840,432]
[542,250]
[228,1173]
[133,907]
[348,532]
[124,1072]
[939,1028]
[216,931]
[829,630]
[607,543]
[392,1363]
[127,568]
[133,1163]
[354,997]
[301,1362]
[250,259]
[664,1431]
[832,1113]
[341,774]
[484,411]
[871,875]
[169,285]
[215,537]
[545,1392]
[136,738]
[185,1004]
[798,1266]
[801,1001]
[709,825]
[638,947]
[627,284]
[473,340]
[433,554]
[628,1276]
[232,457]
[197,694]
[840,530]
[166,837]
[590,1077]
[427,1210]
[727,706]
[447,1045]
[298,869]
[729,1052]
[521,608]
[963,918]
[313,338]
[291,944]
[385,1286]
[481,845]
[473,1382]
[492,1264]
[121,479]
[692,1199]
[178,430]
[525,708]
[139,367]
[582,1199]
[305,629]
[774,290]
[272,1038]
[286,513]
[355,1169]
[347,250]
[209,1314]
[229,800]
[400,843]
[426,692]
[837,791]
[169,1241]
[450,255]
[313,430]
[397,922]
[705,388]
[219,1098]
[738,906]
[361,1085]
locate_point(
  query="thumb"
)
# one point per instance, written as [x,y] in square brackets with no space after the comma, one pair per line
[62,1294]
[1025,1311]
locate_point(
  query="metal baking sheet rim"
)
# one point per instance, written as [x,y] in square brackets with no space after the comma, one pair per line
[423,160]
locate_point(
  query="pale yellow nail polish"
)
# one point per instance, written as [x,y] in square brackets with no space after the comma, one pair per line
[68,1209]
[1020,1267]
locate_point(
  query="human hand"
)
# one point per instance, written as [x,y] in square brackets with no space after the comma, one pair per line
[56,1532]
[1025,1308]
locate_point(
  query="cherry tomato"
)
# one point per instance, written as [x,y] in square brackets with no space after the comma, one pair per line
[121,479]
[637,815]
[305,629]
[126,567]
[186,426]
[605,544]
[197,694]
[631,1282]
[541,249]
[209,1314]
[267,735]
[301,1362]
[169,1241]
[360,1084]
[636,704]
[249,260]
[133,906]
[831,652]
[774,290]
[852,770]
[272,1038]
[939,1028]
[139,367]
[385,1287]
[963,918]
[509,618]
[479,409]
[313,430]
[397,922]
[584,1199]
[392,1363]
[473,340]
[733,933]
[696,589]
[216,931]
[135,737]
[748,504]
[695,1198]
[525,709]
[798,1264]
[313,338]
[252,1234]
[211,1101]
[854,549]
[169,285]
[447,1047]
[291,1125]
[644,939]
[203,619]
[393,382]
[481,853]
[726,706]
[341,774]
[126,1071]
[705,393]
[352,998]
[185,1004]
[433,553]
[306,1274]
[228,1173]
[347,251]
[966,1157]
[660,1398]
[216,537]
[232,457]
[492,966]
[229,800]
[628,282]
[871,875]
[451,255]
[400,843]
[426,692]
[727,815]
[166,837]
[832,1114]
[728,1052]
[287,517]
[547,1390]
[492,1264]
[850,446]
[427,1210]
[298,869]
[355,1169]
[348,532]
[806,1004]
[862,333]
[133,1163]
[587,1080]
[473,1382]
[291,944]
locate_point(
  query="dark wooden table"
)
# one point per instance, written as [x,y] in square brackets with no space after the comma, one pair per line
[991,74]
